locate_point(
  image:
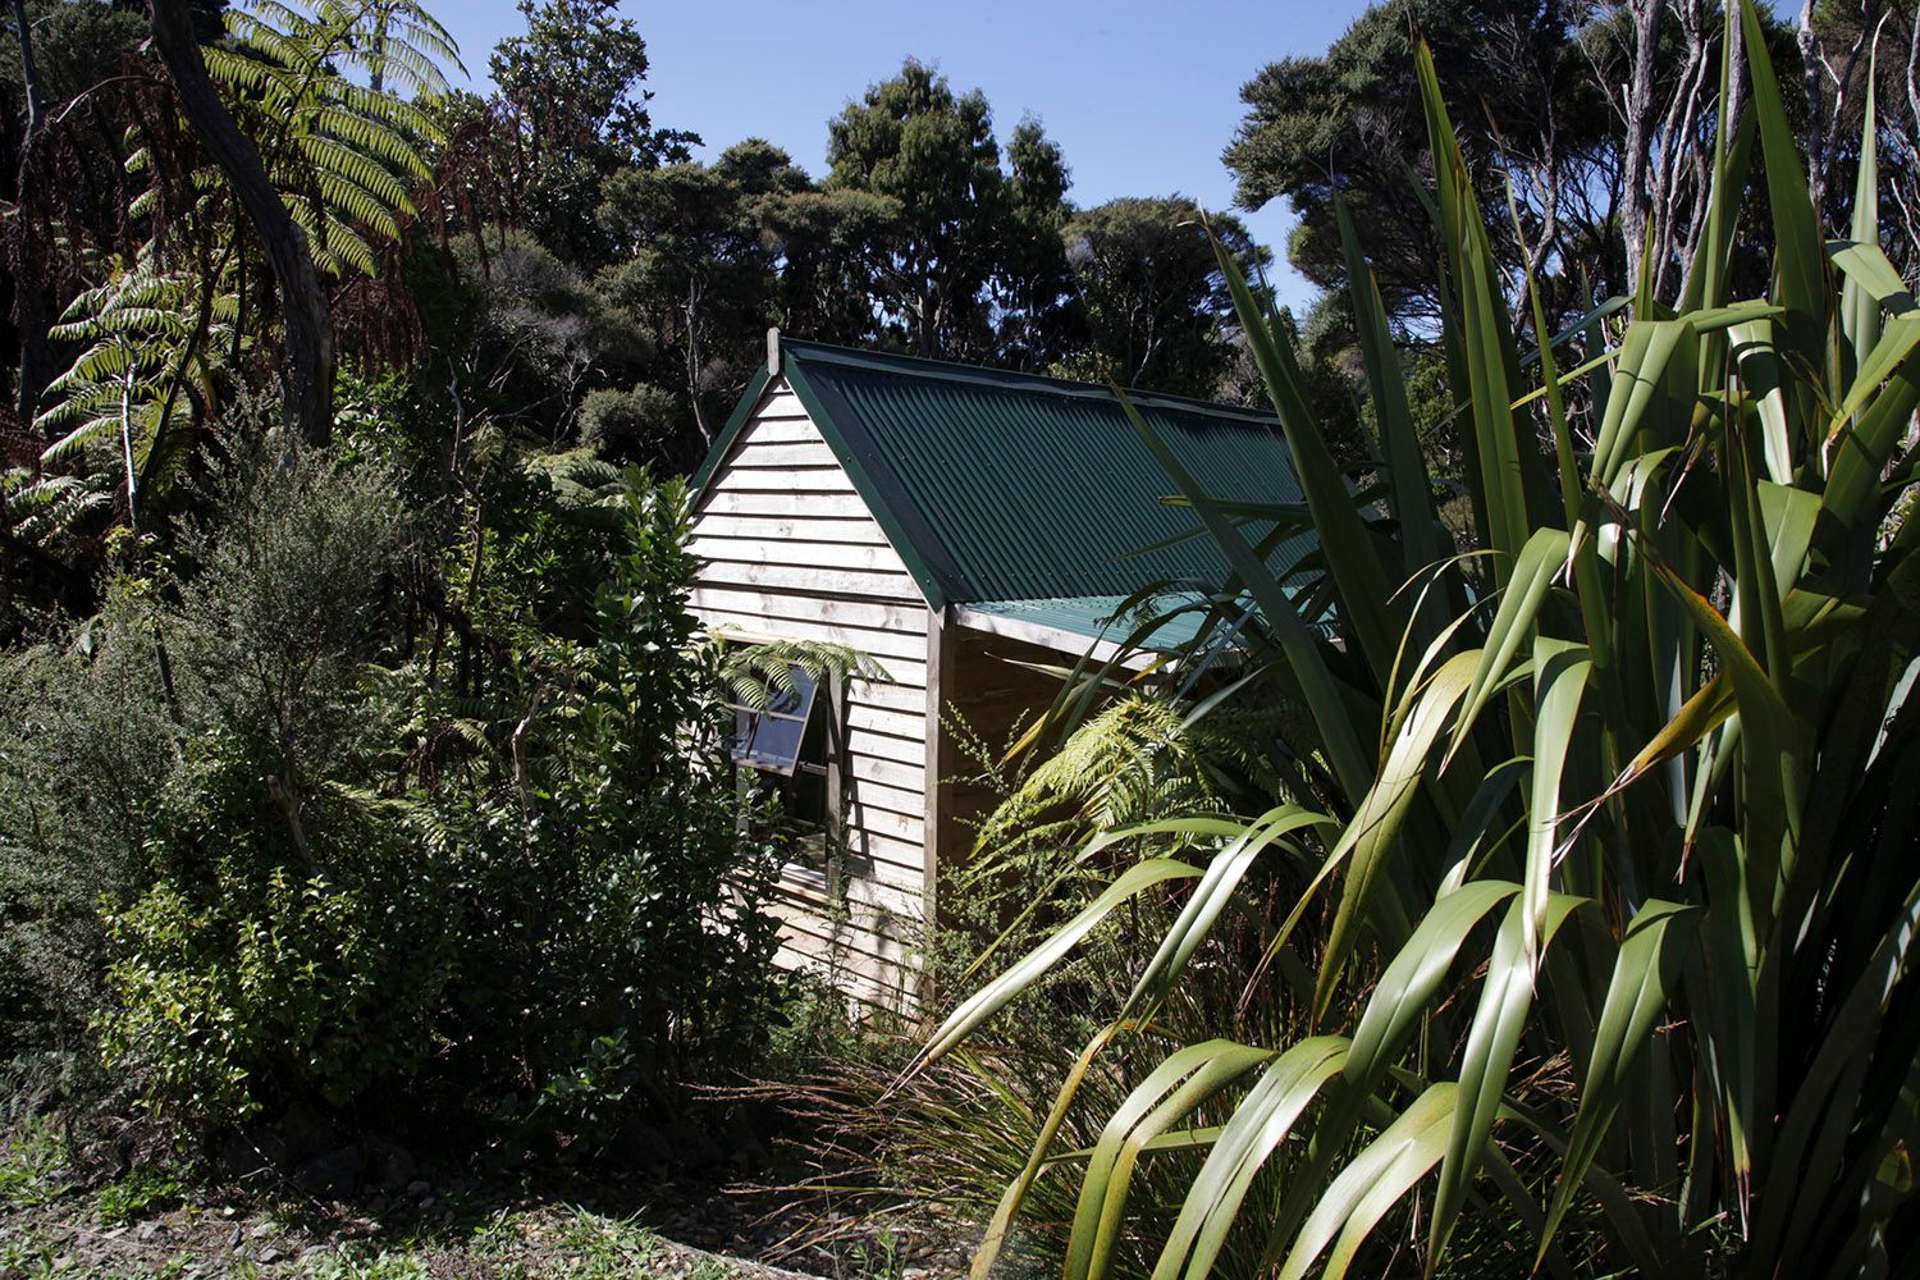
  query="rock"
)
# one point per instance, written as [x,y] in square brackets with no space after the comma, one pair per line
[270,1254]
[238,1236]
[336,1173]
[393,1164]
[419,1187]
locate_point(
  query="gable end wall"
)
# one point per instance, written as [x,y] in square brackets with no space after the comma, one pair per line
[789,551]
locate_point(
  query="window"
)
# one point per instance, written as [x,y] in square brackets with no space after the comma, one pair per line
[774,739]
[786,747]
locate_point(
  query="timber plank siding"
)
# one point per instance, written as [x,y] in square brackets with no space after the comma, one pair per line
[789,552]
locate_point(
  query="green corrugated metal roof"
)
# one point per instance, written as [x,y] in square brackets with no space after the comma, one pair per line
[1177,615]
[1008,488]
[1098,617]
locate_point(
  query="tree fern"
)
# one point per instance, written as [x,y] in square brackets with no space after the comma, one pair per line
[756,673]
[345,156]
[1140,758]
[144,351]
[395,42]
[48,510]
[156,333]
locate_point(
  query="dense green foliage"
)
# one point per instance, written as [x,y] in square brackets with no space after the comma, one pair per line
[336,869]
[1608,933]
[388,778]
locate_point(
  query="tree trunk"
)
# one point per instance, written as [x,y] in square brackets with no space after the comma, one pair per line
[1810,58]
[1640,117]
[1736,54]
[307,381]
[33,308]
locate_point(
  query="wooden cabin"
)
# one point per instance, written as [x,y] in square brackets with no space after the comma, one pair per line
[957,525]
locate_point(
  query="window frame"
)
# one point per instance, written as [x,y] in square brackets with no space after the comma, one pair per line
[828,878]
[756,716]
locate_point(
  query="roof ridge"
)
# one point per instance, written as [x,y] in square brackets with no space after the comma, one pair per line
[954,371]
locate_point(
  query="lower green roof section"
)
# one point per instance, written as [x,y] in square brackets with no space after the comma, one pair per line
[1099,617]
[1165,622]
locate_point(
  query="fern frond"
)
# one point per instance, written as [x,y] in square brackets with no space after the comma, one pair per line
[357,148]
[756,673]
[141,326]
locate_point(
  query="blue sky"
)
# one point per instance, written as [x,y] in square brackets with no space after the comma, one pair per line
[1142,96]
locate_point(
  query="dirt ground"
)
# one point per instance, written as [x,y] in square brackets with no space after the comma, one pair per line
[57,1223]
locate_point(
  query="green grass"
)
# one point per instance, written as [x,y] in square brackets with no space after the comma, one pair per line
[601,1247]
[582,1246]
[349,1264]
[569,1242]
[881,1258]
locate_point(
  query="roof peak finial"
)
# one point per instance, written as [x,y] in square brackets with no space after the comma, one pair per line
[773,352]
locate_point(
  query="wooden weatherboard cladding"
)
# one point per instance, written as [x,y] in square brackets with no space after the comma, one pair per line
[790,551]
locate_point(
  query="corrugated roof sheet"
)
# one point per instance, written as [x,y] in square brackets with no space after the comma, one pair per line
[1011,487]
[1099,618]
[1177,616]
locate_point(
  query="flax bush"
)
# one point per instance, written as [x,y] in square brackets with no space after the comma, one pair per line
[1607,946]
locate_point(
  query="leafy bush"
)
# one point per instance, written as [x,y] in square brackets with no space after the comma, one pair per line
[86,748]
[628,424]
[260,993]
[284,941]
[611,878]
[259,853]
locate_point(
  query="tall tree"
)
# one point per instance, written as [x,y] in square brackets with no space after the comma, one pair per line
[572,97]
[1851,46]
[1155,307]
[914,141]
[696,270]
[832,245]
[1347,123]
[1033,291]
[1599,115]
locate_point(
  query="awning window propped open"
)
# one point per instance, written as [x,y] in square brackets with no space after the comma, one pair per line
[772,738]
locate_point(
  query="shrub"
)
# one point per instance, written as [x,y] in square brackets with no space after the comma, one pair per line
[279,939]
[263,856]
[255,993]
[631,423]
[86,748]
[613,882]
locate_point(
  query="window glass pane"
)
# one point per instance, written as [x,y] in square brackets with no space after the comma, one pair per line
[766,742]
[772,739]
[794,701]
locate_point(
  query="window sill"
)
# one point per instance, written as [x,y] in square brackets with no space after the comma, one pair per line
[802,876]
